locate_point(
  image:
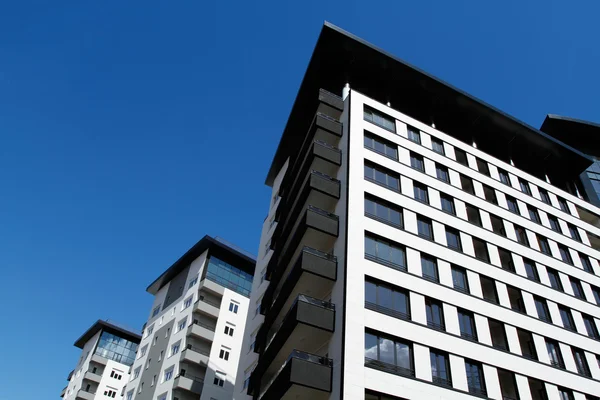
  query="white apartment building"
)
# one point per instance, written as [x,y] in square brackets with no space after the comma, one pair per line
[191,342]
[419,244]
[107,352]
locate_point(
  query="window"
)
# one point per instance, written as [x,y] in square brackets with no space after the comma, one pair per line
[590,326]
[521,235]
[381,146]
[490,194]
[475,379]
[577,289]
[481,251]
[385,299]
[163,397]
[467,184]
[379,119]
[534,215]
[193,282]
[466,322]
[459,279]
[504,178]
[416,161]
[563,205]
[498,334]
[143,351]
[511,202]
[585,262]
[581,362]
[544,245]
[382,177]
[150,330]
[567,318]
[168,374]
[596,292]
[413,134]
[542,309]
[382,350]
[160,355]
[136,373]
[110,393]
[424,227]
[228,330]
[420,192]
[527,344]
[129,395]
[148,363]
[224,354]
[531,270]
[384,252]
[440,368]
[429,268]
[437,146]
[218,381]
[483,167]
[554,279]
[565,394]
[544,196]
[574,232]
[488,287]
[525,186]
[453,239]
[153,380]
[383,211]
[554,225]
[506,261]
[181,325]
[175,348]
[155,311]
[141,388]
[473,215]
[447,204]
[155,340]
[565,255]
[442,173]
[554,354]
[515,298]
[233,307]
[461,156]
[435,314]
[188,302]
[508,384]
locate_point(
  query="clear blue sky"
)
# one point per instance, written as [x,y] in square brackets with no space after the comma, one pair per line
[129,129]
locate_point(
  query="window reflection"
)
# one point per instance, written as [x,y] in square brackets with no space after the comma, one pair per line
[229,276]
[116,348]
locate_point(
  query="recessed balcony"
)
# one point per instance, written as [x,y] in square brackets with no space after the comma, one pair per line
[99,359]
[90,376]
[83,395]
[201,330]
[195,355]
[188,383]
[207,307]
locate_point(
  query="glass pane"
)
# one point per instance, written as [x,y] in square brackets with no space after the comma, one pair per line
[397,256]
[370,292]
[371,346]
[403,355]
[384,297]
[386,351]
[401,302]
[370,246]
[370,206]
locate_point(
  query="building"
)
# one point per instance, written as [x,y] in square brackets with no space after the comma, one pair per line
[191,342]
[419,244]
[107,352]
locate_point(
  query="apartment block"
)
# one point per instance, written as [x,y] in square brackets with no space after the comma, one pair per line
[192,340]
[107,351]
[419,244]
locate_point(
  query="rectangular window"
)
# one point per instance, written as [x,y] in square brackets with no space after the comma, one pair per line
[420,192]
[506,261]
[466,184]
[383,211]
[488,287]
[440,368]
[233,307]
[554,279]
[515,298]
[525,186]
[385,299]
[498,334]
[542,309]
[497,225]
[475,379]
[155,311]
[136,373]
[508,385]
[590,326]
[193,282]
[224,354]
[554,225]
[586,263]
[424,227]
[504,178]
[416,161]
[563,205]
[521,235]
[544,196]
[389,354]
[188,302]
[437,146]
[534,215]
[385,252]
[574,232]
[490,194]
[577,289]
[382,176]
[461,156]
[175,348]
[473,215]
[429,268]
[511,202]
[218,381]
[442,173]
[554,354]
[581,362]
[531,270]
[527,344]
[168,374]
[466,322]
[459,279]
[181,325]
[565,254]
[380,119]
[414,135]
[565,394]
[447,204]
[567,318]
[483,167]
[435,314]
[481,250]
[381,146]
[453,239]
[544,245]
[228,330]
[596,292]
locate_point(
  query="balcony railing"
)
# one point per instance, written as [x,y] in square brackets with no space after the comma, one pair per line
[188,376]
[197,350]
[390,368]
[437,380]
[476,391]
[387,311]
[208,301]
[385,262]
[436,326]
[468,336]
[210,328]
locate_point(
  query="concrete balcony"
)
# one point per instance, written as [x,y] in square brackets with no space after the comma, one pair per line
[202,331]
[90,376]
[99,359]
[212,287]
[189,384]
[207,307]
[83,395]
[195,355]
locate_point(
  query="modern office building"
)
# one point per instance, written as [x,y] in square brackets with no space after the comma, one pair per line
[192,340]
[107,352]
[419,244]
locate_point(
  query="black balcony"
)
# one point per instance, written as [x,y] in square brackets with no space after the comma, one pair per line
[301,376]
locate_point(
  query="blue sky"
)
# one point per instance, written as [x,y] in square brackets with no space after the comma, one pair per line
[131,129]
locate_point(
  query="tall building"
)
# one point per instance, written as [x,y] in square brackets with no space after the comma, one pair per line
[419,244]
[191,342]
[107,352]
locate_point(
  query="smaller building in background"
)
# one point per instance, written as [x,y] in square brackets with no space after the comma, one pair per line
[193,337]
[107,352]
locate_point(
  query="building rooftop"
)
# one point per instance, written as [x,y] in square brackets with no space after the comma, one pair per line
[340,57]
[577,133]
[110,327]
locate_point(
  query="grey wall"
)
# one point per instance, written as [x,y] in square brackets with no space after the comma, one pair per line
[176,287]
[155,365]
